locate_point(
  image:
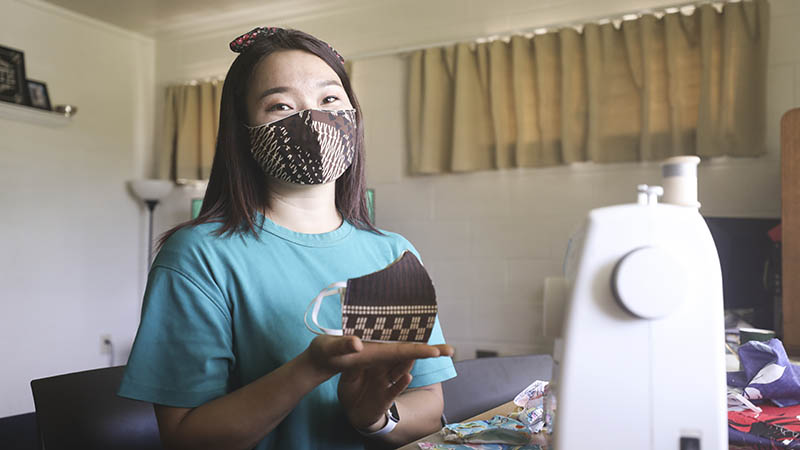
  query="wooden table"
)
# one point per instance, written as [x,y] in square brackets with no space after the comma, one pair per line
[502,410]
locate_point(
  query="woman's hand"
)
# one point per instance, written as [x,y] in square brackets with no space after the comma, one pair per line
[373,374]
[329,355]
[366,394]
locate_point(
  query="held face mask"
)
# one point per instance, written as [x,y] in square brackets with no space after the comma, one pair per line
[395,304]
[309,147]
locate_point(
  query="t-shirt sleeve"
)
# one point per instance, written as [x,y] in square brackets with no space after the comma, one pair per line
[433,370]
[182,354]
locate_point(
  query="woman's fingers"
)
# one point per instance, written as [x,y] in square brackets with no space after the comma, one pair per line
[399,386]
[445,349]
[398,370]
[399,351]
[346,352]
[351,376]
[340,345]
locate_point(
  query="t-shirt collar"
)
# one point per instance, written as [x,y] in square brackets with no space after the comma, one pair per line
[307,239]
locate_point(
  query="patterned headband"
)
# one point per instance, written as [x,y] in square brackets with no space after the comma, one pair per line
[244,41]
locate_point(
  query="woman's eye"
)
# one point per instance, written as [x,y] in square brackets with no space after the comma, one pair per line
[330,99]
[279,107]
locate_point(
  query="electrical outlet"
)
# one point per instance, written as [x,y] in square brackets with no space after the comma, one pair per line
[105,344]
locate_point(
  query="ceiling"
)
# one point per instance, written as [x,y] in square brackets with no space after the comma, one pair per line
[151,17]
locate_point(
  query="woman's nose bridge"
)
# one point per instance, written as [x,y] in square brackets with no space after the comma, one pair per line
[308,100]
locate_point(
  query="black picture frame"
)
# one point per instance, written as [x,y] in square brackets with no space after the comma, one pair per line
[39,98]
[13,84]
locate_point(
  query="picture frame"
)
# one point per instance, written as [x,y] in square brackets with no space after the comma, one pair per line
[197,204]
[13,85]
[37,93]
[371,205]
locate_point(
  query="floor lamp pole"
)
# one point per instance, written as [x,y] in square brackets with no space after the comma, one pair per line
[151,205]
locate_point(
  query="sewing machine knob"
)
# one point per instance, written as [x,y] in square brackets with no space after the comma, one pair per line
[649,283]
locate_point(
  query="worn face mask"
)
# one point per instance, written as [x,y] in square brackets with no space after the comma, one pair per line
[309,147]
[395,304]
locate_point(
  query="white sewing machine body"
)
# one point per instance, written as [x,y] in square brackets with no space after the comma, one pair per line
[641,363]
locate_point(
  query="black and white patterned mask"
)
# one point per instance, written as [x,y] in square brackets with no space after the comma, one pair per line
[312,146]
[394,304]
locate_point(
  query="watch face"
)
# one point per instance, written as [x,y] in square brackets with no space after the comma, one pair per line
[393,414]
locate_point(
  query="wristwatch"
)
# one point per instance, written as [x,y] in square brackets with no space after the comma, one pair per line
[392,417]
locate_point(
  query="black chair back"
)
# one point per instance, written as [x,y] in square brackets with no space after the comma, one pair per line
[485,383]
[19,432]
[82,410]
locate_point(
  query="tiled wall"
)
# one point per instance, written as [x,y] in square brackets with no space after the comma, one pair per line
[490,238]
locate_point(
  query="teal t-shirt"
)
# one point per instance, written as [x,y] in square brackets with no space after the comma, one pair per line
[220,312]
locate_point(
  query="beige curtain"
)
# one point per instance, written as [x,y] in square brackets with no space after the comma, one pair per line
[191,118]
[648,89]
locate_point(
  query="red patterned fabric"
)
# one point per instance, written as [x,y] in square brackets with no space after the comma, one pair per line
[244,41]
[781,426]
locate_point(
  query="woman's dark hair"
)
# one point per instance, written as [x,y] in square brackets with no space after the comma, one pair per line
[237,187]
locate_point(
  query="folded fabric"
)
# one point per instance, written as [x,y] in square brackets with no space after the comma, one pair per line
[773,427]
[531,396]
[737,401]
[497,430]
[739,440]
[435,446]
[533,418]
[768,374]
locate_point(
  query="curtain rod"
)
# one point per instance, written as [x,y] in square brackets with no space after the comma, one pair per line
[541,29]
[676,7]
[196,81]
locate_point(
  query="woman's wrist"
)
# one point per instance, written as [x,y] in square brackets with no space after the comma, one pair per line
[377,425]
[307,365]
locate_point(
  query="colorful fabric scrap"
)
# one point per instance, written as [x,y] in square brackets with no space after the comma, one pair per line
[533,418]
[768,374]
[497,430]
[773,428]
[532,396]
[435,446]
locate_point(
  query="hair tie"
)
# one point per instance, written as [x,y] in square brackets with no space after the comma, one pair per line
[244,41]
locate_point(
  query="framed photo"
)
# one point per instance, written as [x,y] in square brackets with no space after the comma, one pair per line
[197,204]
[13,87]
[37,92]
[371,205]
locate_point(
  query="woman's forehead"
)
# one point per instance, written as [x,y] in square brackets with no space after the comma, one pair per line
[292,68]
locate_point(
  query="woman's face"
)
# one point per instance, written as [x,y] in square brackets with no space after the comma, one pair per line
[289,81]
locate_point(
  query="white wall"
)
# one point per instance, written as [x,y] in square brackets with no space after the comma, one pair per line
[72,239]
[491,238]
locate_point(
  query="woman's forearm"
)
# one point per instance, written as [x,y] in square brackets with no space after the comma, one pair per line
[241,419]
[420,415]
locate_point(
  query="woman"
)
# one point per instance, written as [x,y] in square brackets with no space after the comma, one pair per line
[221,350]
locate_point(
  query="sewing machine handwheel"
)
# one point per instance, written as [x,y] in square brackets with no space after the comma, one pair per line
[649,283]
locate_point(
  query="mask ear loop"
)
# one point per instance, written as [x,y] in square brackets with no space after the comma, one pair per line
[333,289]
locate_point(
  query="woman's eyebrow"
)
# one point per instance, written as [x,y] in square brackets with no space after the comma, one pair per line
[275,90]
[329,83]
[281,89]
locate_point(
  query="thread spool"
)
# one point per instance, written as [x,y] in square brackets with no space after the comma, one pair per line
[680,181]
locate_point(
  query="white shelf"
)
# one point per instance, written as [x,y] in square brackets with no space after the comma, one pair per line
[30,114]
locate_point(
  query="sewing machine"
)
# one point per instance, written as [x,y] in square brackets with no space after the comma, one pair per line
[640,356]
